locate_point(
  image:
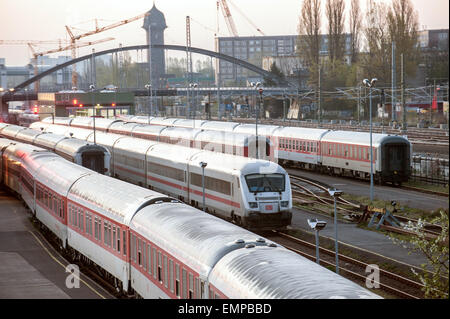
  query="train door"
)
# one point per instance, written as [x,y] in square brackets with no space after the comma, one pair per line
[396,159]
[94,161]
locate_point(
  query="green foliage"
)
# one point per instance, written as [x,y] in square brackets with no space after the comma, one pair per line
[437,253]
[275,71]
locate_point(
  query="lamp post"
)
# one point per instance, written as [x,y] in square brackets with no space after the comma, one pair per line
[92,87]
[317,225]
[370,86]
[148,87]
[203,165]
[194,86]
[257,87]
[335,194]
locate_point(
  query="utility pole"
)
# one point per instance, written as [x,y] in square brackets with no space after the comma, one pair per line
[394,115]
[359,105]
[319,98]
[404,126]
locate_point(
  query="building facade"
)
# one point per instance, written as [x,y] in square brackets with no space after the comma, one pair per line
[262,50]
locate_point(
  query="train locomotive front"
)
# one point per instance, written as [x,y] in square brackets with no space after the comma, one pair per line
[267,196]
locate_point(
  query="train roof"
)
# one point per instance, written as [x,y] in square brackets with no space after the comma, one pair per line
[11,130]
[81,121]
[265,272]
[73,146]
[161,121]
[300,133]
[124,126]
[194,237]
[58,120]
[28,135]
[106,139]
[40,126]
[148,129]
[111,197]
[229,138]
[104,124]
[232,164]
[49,140]
[5,142]
[180,132]
[188,123]
[139,146]
[140,119]
[267,130]
[361,138]
[3,125]
[219,126]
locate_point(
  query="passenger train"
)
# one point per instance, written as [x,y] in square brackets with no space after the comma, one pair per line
[253,193]
[334,152]
[153,246]
[83,153]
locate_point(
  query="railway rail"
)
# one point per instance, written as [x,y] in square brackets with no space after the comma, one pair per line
[391,283]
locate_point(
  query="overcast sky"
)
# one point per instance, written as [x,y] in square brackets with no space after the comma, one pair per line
[45,20]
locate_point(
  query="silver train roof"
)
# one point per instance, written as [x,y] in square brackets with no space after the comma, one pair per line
[277,273]
[196,238]
[113,198]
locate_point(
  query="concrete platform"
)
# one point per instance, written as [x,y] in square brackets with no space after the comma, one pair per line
[29,267]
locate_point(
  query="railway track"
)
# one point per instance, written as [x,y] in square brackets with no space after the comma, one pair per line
[391,283]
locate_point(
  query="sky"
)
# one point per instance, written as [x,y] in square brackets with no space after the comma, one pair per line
[46,20]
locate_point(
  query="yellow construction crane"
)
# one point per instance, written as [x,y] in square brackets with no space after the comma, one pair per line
[229,18]
[97,30]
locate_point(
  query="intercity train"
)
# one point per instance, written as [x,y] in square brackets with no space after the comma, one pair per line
[90,155]
[153,246]
[253,193]
[344,153]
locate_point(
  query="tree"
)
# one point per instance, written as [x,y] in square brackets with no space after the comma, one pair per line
[376,61]
[309,36]
[437,253]
[275,71]
[355,29]
[336,42]
[403,30]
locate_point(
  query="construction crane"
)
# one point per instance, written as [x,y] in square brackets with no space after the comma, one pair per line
[37,54]
[97,30]
[247,18]
[228,18]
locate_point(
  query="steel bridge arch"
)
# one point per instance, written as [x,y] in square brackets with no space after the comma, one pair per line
[221,56]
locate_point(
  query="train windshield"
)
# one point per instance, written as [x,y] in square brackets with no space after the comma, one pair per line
[265,183]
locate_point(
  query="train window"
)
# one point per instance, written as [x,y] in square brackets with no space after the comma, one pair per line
[184,283]
[132,253]
[149,259]
[368,154]
[346,150]
[139,254]
[95,228]
[159,267]
[114,237]
[124,243]
[82,222]
[191,286]
[198,294]
[155,263]
[177,280]
[171,274]
[105,233]
[211,293]
[118,239]
[166,280]
[296,145]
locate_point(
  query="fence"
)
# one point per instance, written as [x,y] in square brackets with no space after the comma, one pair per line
[430,170]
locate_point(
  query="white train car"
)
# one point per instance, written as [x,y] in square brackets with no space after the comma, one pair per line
[174,249]
[281,275]
[165,249]
[86,154]
[99,213]
[350,152]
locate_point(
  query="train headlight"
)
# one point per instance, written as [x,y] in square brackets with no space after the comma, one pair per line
[253,204]
[285,203]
